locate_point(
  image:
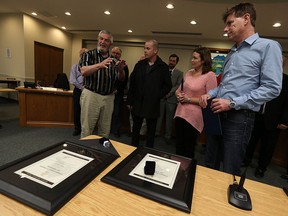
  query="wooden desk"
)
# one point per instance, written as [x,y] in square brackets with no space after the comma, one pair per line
[7,90]
[42,108]
[11,82]
[209,198]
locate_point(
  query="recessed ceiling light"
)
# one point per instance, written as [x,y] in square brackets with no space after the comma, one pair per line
[68,13]
[63,27]
[193,22]
[170,6]
[130,31]
[276,25]
[225,35]
[107,12]
[34,13]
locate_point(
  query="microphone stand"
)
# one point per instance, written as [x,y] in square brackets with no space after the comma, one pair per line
[238,196]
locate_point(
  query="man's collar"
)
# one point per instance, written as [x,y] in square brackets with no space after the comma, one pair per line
[250,40]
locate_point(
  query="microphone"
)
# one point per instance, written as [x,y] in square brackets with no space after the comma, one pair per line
[238,196]
[105,142]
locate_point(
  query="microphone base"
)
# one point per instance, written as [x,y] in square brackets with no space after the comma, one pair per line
[239,197]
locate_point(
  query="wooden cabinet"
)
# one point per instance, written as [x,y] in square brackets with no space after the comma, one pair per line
[45,108]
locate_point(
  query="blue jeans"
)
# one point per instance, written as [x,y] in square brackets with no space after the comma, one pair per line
[230,147]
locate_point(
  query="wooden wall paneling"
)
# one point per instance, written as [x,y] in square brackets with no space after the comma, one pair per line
[48,63]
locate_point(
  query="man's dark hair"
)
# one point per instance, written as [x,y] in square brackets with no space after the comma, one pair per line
[174,56]
[240,10]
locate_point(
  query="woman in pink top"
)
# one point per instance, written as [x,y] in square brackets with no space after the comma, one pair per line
[188,117]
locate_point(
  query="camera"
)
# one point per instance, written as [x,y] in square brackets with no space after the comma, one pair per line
[115,60]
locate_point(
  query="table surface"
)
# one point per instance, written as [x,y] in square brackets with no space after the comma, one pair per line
[21,89]
[209,197]
[9,80]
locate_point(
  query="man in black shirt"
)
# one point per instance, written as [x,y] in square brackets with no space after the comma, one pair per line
[149,82]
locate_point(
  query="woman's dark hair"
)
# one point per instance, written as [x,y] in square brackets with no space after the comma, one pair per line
[240,10]
[205,56]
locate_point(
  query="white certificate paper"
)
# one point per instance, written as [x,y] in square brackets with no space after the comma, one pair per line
[54,169]
[165,171]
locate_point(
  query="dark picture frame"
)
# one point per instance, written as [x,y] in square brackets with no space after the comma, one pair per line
[180,196]
[50,200]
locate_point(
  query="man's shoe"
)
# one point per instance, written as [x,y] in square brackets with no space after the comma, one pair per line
[259,173]
[76,132]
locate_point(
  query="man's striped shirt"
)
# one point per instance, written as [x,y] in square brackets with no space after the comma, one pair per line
[103,80]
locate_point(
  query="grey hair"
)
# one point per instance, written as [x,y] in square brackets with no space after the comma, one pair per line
[106,32]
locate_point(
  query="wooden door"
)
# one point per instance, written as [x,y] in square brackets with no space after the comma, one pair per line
[48,63]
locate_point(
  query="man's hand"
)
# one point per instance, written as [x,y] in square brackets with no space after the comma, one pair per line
[203,100]
[282,126]
[105,63]
[219,105]
[180,96]
[90,69]
[129,107]
[120,65]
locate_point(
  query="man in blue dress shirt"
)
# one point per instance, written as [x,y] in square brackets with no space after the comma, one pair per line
[76,79]
[252,76]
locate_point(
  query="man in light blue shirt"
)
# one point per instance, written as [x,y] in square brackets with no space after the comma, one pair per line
[76,79]
[252,76]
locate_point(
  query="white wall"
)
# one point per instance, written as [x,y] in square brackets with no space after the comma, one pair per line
[12,38]
[18,32]
[36,30]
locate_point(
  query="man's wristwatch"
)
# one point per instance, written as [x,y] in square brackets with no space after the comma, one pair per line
[232,104]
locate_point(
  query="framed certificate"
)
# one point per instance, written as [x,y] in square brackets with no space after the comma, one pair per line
[46,180]
[172,182]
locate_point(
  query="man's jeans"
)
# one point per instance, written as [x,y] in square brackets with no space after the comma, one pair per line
[230,148]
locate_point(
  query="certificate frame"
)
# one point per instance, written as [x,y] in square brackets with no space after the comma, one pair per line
[50,200]
[180,196]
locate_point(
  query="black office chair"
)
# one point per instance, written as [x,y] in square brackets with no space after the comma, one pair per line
[62,82]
